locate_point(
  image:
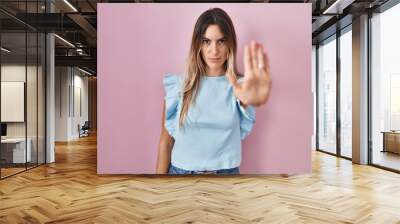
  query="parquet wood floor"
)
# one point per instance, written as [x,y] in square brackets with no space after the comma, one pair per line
[70,191]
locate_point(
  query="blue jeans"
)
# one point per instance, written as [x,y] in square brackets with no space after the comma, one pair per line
[176,170]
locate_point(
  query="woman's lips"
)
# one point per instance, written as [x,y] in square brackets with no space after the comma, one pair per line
[213,59]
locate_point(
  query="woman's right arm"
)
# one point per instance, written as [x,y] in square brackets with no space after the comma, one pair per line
[164,149]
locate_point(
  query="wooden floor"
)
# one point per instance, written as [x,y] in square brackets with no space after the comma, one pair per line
[5,172]
[70,191]
[387,159]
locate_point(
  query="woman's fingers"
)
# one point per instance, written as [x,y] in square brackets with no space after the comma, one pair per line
[256,61]
[266,63]
[247,60]
[253,52]
[261,60]
[255,87]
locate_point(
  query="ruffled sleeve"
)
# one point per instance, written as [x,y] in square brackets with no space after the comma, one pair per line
[247,117]
[172,96]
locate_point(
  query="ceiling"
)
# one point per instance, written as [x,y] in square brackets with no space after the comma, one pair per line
[76,22]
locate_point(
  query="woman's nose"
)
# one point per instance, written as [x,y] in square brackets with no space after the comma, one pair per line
[214,48]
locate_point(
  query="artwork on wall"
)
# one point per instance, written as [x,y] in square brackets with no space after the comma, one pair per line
[12,101]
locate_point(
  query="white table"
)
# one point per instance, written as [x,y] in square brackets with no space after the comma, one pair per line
[19,155]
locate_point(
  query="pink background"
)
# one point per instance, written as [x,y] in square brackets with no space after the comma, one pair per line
[139,43]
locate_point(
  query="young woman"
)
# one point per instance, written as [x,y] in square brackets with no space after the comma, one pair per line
[209,111]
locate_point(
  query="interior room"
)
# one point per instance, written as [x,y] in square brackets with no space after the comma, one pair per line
[54,167]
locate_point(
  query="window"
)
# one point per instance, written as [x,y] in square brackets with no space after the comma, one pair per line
[385,88]
[327,95]
[346,75]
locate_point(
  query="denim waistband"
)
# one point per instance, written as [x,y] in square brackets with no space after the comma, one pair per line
[176,170]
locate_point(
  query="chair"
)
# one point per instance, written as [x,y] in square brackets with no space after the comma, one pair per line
[84,130]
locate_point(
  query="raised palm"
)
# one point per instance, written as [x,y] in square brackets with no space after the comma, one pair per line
[254,89]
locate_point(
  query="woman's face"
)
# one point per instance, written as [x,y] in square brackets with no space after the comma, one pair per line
[213,49]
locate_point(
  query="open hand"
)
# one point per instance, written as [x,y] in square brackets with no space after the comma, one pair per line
[255,87]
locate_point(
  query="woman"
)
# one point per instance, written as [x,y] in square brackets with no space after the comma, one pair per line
[209,111]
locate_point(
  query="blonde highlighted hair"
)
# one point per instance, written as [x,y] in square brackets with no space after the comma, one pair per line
[196,65]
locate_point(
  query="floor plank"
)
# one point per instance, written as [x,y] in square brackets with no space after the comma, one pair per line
[70,191]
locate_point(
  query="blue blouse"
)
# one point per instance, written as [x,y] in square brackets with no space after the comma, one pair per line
[210,138]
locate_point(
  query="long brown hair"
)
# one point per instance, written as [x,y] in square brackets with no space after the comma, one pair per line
[196,65]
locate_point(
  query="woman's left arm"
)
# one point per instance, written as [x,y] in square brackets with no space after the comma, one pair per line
[255,87]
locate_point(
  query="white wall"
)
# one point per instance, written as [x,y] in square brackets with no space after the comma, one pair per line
[9,73]
[61,103]
[81,85]
[70,84]
[15,72]
[33,127]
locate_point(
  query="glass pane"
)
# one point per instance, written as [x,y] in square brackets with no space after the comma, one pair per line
[31,101]
[327,96]
[22,88]
[13,86]
[386,89]
[346,94]
[41,98]
[314,75]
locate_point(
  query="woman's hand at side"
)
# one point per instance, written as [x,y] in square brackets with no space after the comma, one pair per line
[255,87]
[164,149]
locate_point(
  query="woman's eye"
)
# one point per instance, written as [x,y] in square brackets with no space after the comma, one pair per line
[206,42]
[221,41]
